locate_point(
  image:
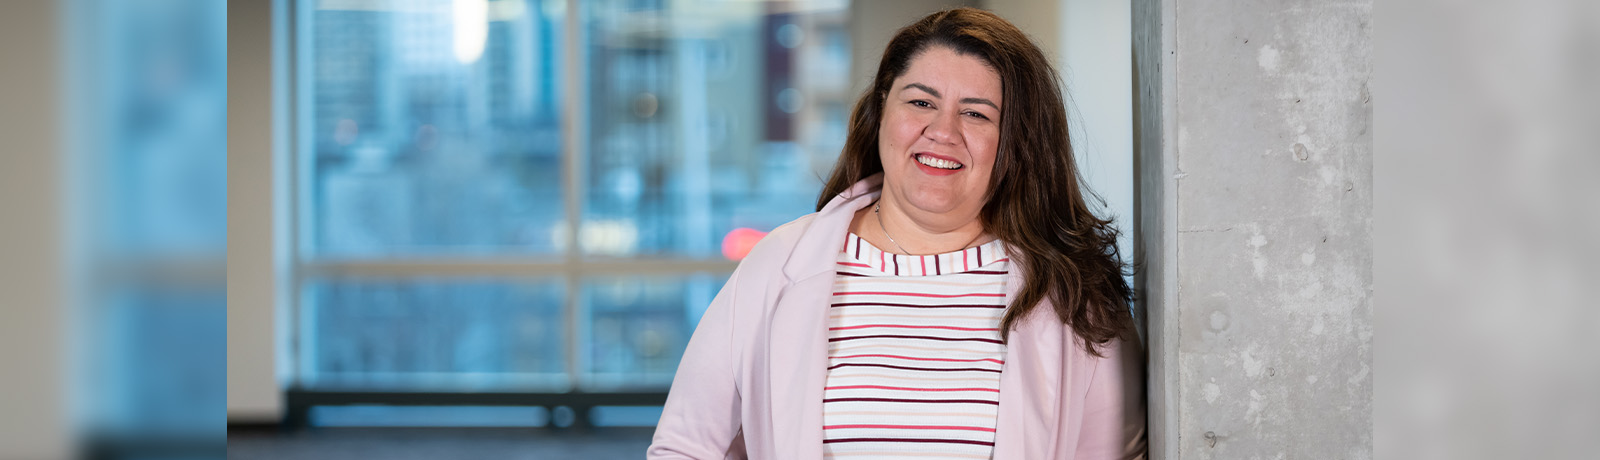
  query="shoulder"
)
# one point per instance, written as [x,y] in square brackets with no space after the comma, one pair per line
[810,244]
[781,241]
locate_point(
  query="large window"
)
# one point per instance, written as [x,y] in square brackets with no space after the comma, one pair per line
[542,195]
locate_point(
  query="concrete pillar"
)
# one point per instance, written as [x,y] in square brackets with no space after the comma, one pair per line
[1254,149]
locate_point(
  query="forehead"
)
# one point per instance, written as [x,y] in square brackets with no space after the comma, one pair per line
[944,69]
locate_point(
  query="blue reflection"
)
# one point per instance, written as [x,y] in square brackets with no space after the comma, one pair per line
[434,335]
[637,327]
[147,136]
[417,145]
[707,117]
[431,135]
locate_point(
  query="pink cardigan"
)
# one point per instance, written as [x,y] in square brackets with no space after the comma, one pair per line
[750,383]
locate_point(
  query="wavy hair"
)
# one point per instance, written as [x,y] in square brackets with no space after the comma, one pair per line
[1036,200]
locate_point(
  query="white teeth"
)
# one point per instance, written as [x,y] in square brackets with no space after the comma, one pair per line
[938,163]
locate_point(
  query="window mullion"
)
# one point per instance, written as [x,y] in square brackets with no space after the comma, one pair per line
[572,130]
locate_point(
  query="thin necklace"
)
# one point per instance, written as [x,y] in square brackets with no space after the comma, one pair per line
[885,230]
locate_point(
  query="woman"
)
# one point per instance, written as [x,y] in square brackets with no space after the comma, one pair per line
[953,297]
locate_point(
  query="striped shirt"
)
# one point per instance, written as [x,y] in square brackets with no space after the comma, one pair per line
[914,353]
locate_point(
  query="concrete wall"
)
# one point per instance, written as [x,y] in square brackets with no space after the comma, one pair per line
[1255,157]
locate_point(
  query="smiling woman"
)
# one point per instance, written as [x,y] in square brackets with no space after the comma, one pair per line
[951,268]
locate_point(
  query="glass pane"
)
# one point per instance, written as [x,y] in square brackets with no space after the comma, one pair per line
[637,327]
[706,117]
[434,335]
[433,127]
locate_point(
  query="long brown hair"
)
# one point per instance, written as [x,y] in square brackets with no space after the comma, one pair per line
[1036,202]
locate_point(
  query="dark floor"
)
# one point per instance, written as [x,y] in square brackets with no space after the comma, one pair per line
[440,443]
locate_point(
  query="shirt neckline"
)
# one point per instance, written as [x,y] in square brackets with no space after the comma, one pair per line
[981,258]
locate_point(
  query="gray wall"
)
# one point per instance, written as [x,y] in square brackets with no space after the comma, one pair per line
[33,420]
[1255,216]
[254,292]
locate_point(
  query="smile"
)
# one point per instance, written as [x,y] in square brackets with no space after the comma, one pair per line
[930,161]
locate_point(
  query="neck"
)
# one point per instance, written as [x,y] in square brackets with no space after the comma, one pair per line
[893,228]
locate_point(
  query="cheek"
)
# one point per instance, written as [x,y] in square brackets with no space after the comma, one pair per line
[986,148]
[895,134]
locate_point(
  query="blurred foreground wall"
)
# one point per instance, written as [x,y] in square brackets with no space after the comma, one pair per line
[1255,199]
[32,403]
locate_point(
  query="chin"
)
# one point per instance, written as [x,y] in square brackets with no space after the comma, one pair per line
[934,201]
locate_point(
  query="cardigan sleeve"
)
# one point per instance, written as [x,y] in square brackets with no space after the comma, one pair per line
[701,418]
[1113,409]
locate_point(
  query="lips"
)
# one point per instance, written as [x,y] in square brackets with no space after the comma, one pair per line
[938,161]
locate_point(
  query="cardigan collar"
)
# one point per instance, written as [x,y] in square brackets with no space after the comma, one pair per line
[829,227]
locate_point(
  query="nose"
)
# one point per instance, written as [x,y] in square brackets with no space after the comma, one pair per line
[944,128]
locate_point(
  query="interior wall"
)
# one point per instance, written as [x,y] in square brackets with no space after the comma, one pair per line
[1095,40]
[1255,155]
[33,405]
[874,22]
[254,394]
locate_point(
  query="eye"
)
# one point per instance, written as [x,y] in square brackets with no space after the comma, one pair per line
[977,115]
[921,103]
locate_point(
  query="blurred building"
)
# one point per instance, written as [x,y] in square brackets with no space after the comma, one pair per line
[429,143]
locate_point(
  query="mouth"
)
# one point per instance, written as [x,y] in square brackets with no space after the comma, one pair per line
[938,162]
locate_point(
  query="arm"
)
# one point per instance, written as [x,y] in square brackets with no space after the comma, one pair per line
[701,417]
[1113,410]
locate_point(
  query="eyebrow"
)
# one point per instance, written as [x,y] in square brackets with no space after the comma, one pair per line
[966,100]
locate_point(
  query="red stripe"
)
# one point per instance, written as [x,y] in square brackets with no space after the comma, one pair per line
[918,294]
[910,427]
[904,368]
[858,248]
[956,401]
[881,387]
[907,326]
[953,360]
[853,264]
[881,304]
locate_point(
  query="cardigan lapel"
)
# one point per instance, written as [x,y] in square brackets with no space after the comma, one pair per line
[798,365]
[797,359]
[1027,419]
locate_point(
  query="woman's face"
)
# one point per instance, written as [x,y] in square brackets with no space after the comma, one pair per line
[940,132]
